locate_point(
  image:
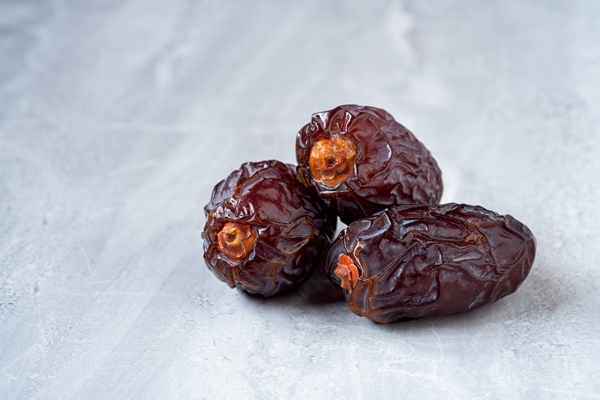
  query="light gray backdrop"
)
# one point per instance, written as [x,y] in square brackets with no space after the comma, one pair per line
[118,117]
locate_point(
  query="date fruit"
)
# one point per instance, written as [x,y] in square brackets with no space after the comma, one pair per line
[416,261]
[265,231]
[364,161]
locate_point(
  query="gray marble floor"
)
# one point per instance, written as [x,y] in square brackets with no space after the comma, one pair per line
[118,117]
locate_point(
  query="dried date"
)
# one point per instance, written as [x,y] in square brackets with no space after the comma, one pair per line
[418,261]
[364,161]
[265,231]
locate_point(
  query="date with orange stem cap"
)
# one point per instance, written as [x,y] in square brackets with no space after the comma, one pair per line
[363,161]
[423,260]
[265,231]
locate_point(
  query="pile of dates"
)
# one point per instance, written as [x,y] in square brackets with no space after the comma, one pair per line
[402,256]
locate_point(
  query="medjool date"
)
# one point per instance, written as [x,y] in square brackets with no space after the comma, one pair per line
[364,161]
[417,261]
[264,230]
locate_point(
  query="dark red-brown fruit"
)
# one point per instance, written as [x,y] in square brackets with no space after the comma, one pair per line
[419,261]
[363,161]
[265,231]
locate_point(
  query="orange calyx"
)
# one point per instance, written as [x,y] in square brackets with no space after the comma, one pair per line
[347,272]
[332,160]
[236,240]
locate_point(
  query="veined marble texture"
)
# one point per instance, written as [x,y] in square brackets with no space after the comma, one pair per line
[117,118]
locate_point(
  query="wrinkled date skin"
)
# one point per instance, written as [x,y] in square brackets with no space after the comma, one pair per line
[419,261]
[265,231]
[364,161]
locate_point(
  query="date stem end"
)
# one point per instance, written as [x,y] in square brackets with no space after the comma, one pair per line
[332,160]
[347,272]
[236,240]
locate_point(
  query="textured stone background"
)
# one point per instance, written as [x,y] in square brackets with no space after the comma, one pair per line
[118,117]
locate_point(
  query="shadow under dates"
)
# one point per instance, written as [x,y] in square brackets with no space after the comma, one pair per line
[318,290]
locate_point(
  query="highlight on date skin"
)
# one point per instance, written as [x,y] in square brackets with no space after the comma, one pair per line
[332,160]
[347,272]
[236,240]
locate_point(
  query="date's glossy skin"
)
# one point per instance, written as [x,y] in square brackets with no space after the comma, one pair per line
[418,261]
[364,161]
[265,231]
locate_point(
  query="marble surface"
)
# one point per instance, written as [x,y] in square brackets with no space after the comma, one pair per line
[118,117]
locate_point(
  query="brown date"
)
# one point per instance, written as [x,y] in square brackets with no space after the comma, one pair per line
[364,161]
[418,261]
[264,230]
